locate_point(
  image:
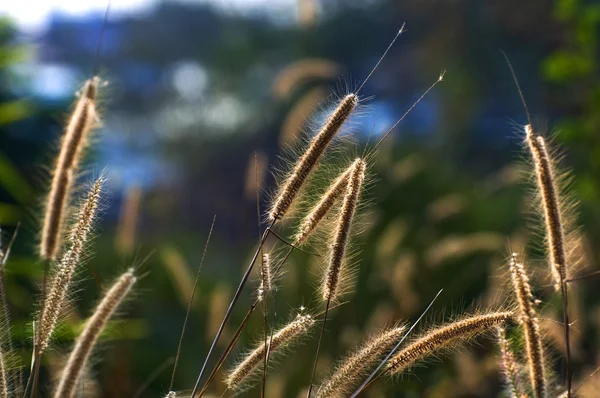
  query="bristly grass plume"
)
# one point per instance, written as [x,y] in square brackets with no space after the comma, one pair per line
[61,281]
[281,339]
[87,340]
[81,122]
[444,337]
[529,322]
[349,372]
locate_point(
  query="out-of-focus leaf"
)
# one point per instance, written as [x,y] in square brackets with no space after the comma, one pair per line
[12,111]
[9,214]
[14,183]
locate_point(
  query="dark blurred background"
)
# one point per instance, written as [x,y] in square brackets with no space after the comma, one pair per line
[200,99]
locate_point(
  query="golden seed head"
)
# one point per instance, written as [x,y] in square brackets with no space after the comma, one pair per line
[309,159]
[333,274]
[350,371]
[531,328]
[446,336]
[322,208]
[281,339]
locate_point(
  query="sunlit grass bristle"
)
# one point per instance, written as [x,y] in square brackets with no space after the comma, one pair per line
[444,337]
[87,340]
[307,162]
[341,235]
[281,339]
[61,280]
[350,371]
[4,390]
[529,321]
[549,193]
[266,278]
[324,205]
[82,120]
[509,366]
[171,394]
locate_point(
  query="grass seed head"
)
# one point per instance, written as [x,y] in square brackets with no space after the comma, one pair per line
[60,283]
[324,205]
[334,273]
[281,339]
[81,122]
[348,374]
[446,336]
[531,328]
[87,340]
[309,159]
[549,193]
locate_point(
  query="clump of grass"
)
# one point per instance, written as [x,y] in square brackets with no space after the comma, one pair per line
[350,370]
[87,340]
[529,321]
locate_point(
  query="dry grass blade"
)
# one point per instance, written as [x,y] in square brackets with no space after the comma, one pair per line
[87,340]
[531,328]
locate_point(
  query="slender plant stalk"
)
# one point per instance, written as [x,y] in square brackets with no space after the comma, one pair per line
[187,313]
[231,305]
[228,349]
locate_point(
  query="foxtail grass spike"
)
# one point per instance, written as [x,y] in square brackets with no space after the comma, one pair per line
[87,340]
[445,336]
[266,277]
[281,339]
[531,328]
[320,210]
[349,372]
[333,273]
[82,121]
[309,159]
[61,281]
[509,365]
[546,181]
